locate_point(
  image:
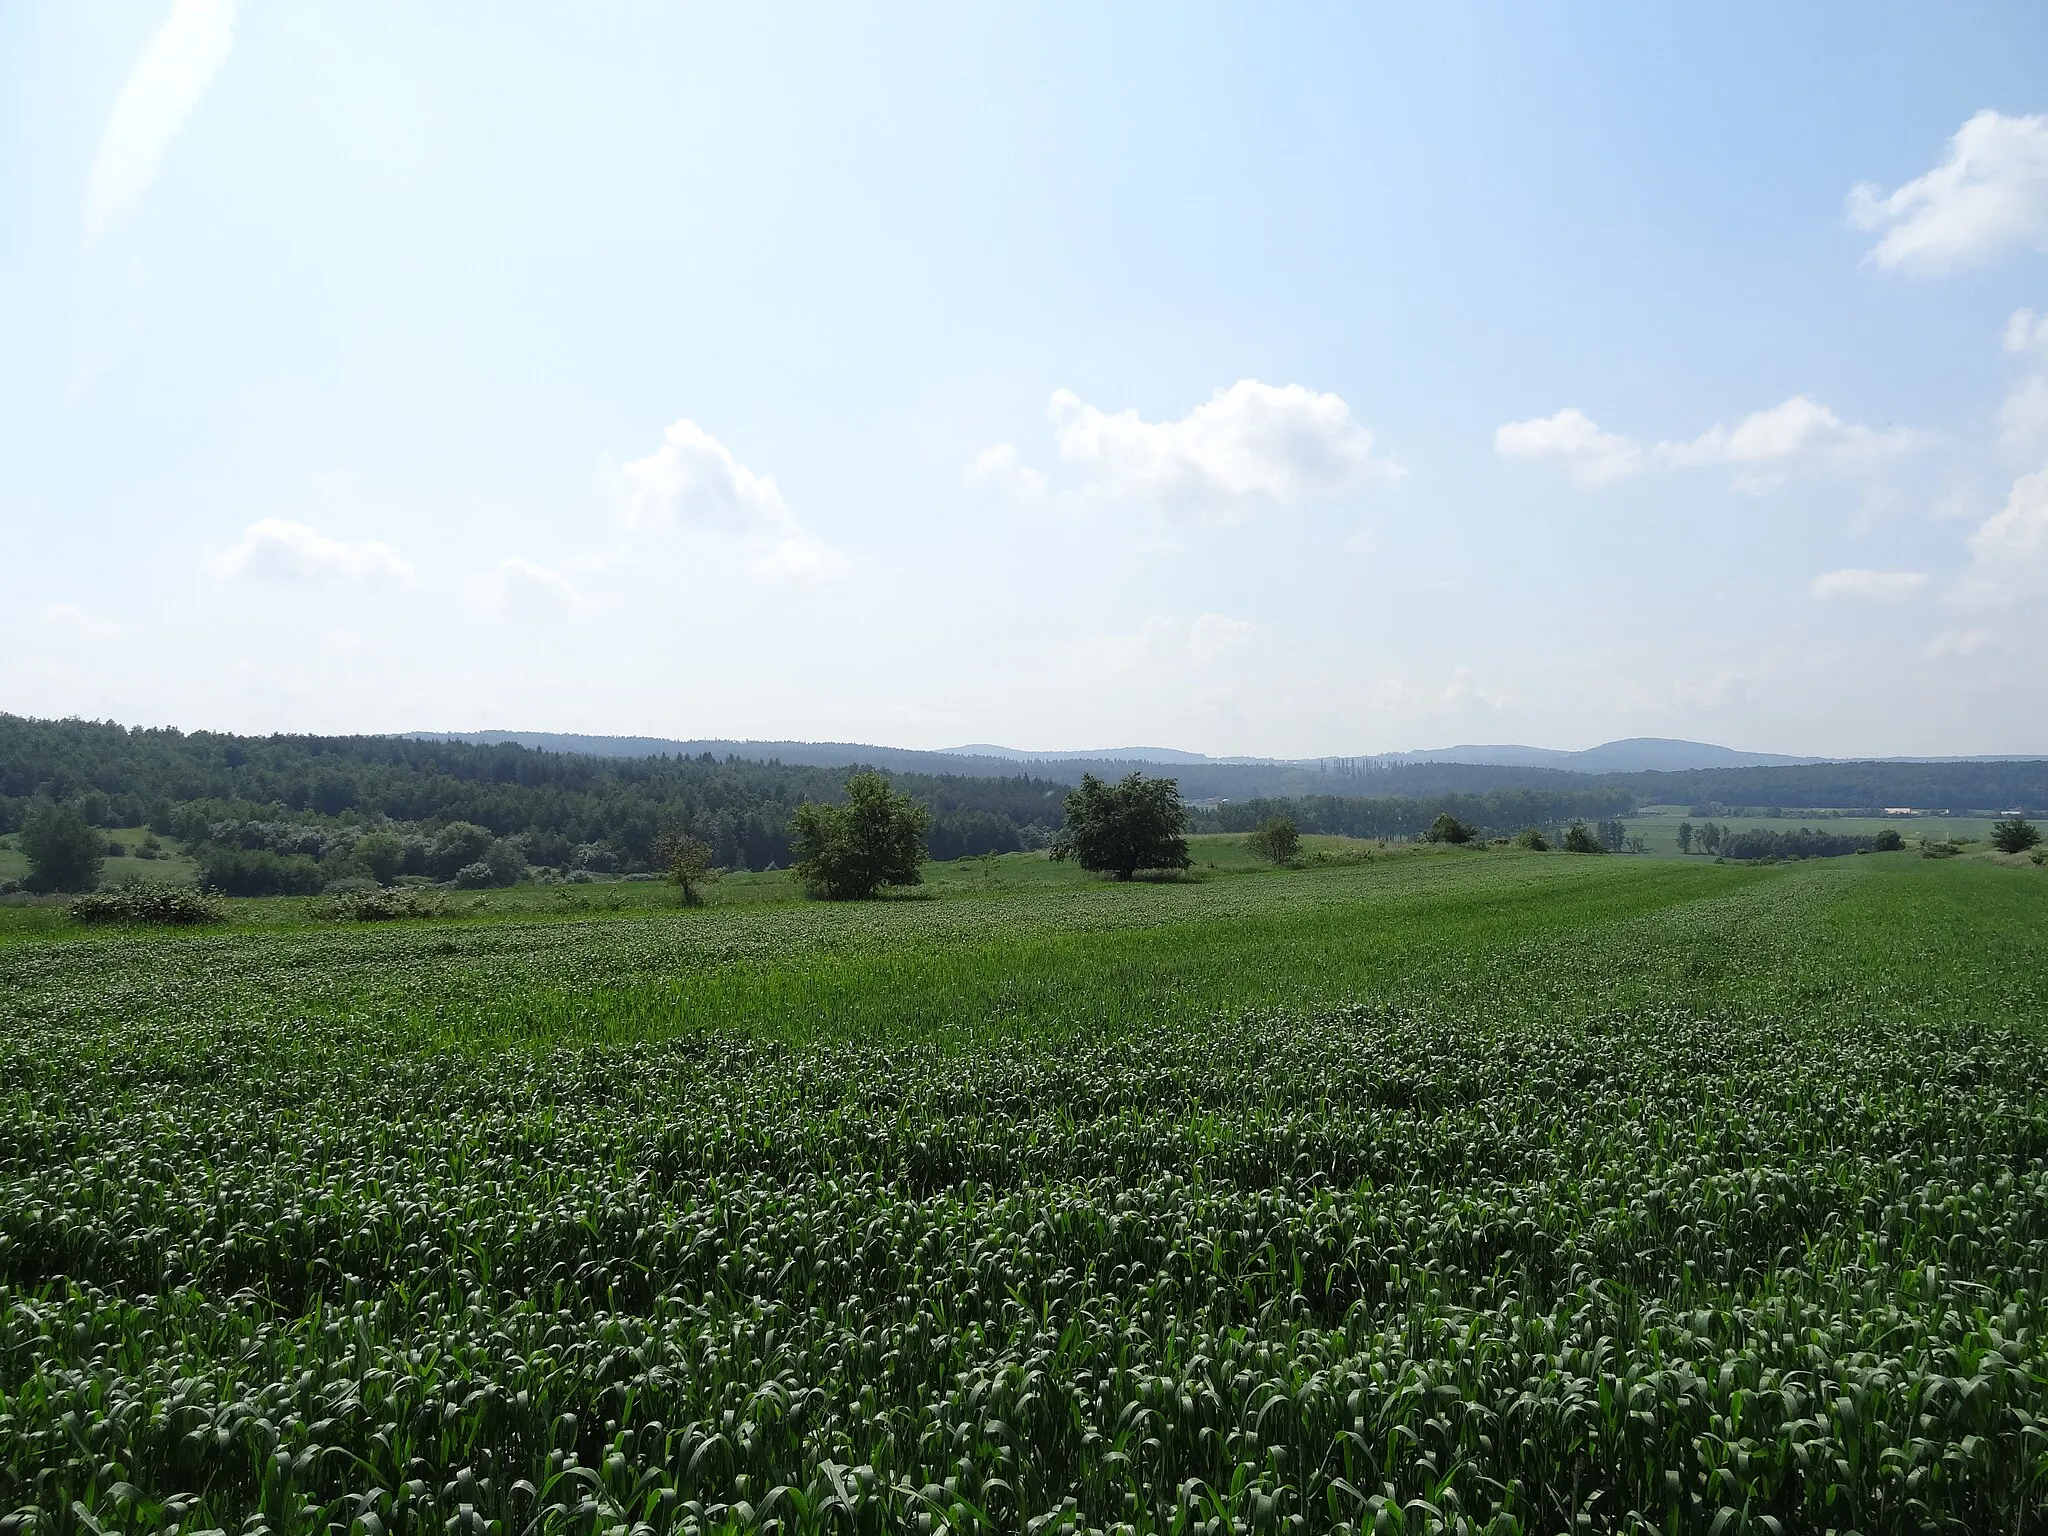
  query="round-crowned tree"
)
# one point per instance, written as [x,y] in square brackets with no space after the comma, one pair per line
[1448,829]
[64,851]
[848,852]
[1118,829]
[1276,841]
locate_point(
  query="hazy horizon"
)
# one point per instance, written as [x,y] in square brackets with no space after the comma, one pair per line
[1246,383]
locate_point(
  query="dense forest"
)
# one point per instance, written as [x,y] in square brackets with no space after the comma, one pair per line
[245,802]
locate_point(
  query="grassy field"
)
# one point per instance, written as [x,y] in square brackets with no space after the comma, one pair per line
[172,866]
[1658,826]
[1429,1191]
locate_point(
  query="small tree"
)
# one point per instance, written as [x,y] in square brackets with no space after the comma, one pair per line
[1532,839]
[1887,841]
[64,851]
[688,862]
[1448,829]
[1685,837]
[848,852]
[380,856]
[1276,841]
[2015,834]
[1119,829]
[1579,838]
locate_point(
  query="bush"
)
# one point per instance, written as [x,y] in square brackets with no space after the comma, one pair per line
[1119,829]
[381,906]
[259,872]
[2015,834]
[1532,839]
[1448,829]
[1887,841]
[848,852]
[507,862]
[64,852]
[1579,838]
[1277,841]
[381,856]
[456,845]
[475,877]
[149,901]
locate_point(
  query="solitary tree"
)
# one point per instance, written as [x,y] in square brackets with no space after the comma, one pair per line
[1448,829]
[688,862]
[64,852]
[1276,841]
[1119,829]
[848,852]
[1685,837]
[1579,838]
[2015,834]
[1887,841]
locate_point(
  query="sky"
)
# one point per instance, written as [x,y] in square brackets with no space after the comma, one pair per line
[1291,381]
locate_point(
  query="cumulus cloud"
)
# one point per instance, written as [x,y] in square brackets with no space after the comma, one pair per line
[693,481]
[2023,417]
[163,88]
[1863,583]
[2011,549]
[1987,198]
[2027,333]
[521,589]
[1957,642]
[1762,448]
[1246,444]
[1590,456]
[277,550]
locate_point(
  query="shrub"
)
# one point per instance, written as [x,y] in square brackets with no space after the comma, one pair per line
[1887,841]
[259,872]
[1119,829]
[475,877]
[381,905]
[64,852]
[1579,838]
[381,856]
[1277,841]
[848,852]
[1532,839]
[1448,829]
[2015,834]
[149,901]
[456,845]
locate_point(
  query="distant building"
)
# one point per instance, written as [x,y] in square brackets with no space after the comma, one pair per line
[1900,810]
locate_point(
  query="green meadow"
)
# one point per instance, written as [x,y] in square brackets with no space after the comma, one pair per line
[1407,1190]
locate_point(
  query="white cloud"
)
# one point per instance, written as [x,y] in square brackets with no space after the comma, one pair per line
[1762,448]
[163,88]
[2011,548]
[1987,198]
[1958,642]
[1862,583]
[1248,443]
[2023,418]
[1213,634]
[1591,456]
[1004,471]
[2027,332]
[277,550]
[521,589]
[72,617]
[693,481]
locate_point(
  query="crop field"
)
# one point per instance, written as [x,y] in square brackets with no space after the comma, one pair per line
[1476,1192]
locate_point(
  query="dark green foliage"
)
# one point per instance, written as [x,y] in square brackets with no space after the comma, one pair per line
[1887,841]
[64,852]
[1118,829]
[381,905]
[455,846]
[259,872]
[2014,834]
[1802,844]
[1579,838]
[1532,838]
[1685,837]
[849,852]
[381,856]
[1276,841]
[155,903]
[1448,829]
[1497,814]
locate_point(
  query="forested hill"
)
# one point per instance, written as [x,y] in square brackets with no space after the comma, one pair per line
[565,808]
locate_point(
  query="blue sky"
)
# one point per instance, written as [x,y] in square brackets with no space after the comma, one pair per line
[1319,380]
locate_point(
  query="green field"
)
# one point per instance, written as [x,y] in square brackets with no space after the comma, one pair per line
[1658,826]
[1431,1191]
